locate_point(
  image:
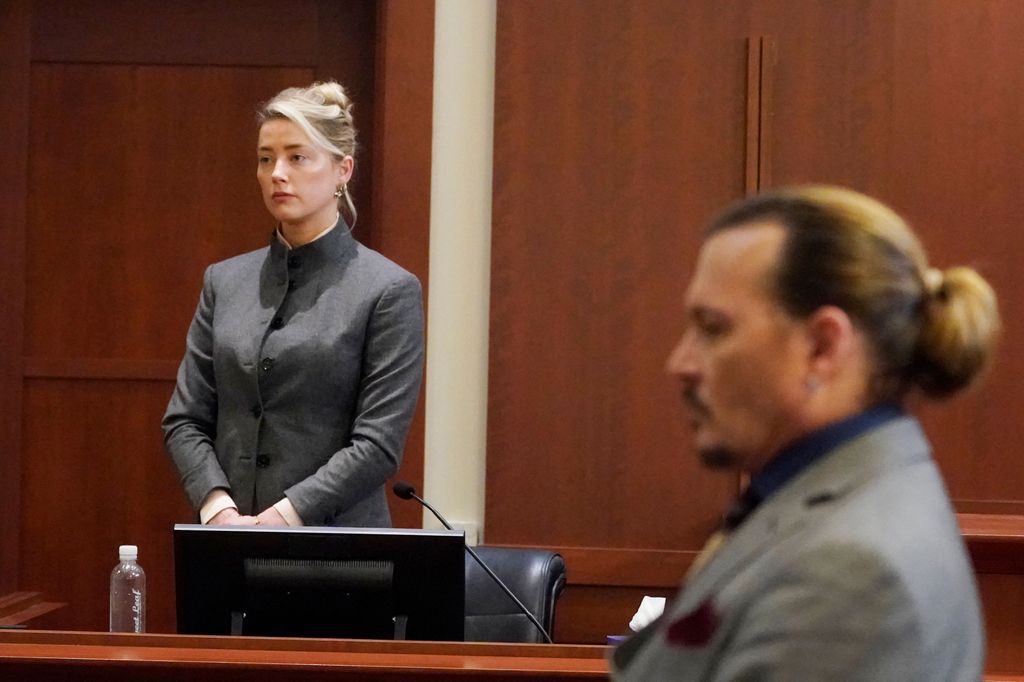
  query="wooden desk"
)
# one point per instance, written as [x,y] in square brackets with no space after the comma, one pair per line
[18,608]
[55,656]
[49,656]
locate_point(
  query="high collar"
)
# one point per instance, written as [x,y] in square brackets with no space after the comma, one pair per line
[329,248]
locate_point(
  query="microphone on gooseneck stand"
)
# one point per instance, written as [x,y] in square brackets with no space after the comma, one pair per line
[405,491]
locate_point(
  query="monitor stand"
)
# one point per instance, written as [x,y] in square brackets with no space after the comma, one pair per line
[236,623]
[400,623]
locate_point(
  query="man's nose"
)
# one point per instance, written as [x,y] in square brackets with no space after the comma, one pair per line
[682,361]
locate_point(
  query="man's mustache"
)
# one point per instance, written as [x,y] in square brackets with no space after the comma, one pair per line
[690,397]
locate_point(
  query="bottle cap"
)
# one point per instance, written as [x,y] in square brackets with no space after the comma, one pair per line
[128,552]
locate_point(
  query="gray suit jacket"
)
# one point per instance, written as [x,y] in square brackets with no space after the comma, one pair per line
[855,570]
[301,373]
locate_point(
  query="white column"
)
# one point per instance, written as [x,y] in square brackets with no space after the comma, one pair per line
[460,251]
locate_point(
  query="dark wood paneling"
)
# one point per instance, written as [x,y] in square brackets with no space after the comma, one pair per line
[184,32]
[346,38]
[588,615]
[761,60]
[101,368]
[14,122]
[333,40]
[833,86]
[22,608]
[919,104]
[1003,600]
[628,142]
[402,144]
[95,477]
[618,130]
[611,146]
[163,186]
[597,566]
[995,541]
[962,67]
[1010,507]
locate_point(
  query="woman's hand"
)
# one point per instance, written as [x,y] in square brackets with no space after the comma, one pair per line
[270,517]
[231,517]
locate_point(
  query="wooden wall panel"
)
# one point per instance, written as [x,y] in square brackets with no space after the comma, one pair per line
[161,186]
[588,614]
[15,37]
[611,145]
[919,104]
[95,477]
[347,43]
[1003,598]
[197,32]
[618,130]
[401,205]
[968,76]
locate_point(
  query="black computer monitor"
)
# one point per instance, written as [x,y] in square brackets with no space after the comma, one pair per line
[372,583]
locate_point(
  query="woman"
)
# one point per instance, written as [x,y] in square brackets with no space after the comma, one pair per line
[304,359]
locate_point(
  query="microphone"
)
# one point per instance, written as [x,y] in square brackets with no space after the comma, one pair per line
[404,490]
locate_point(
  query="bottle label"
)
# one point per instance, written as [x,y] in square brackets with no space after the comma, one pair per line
[137,610]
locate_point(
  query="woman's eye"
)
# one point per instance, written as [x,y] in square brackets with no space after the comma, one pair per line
[298,158]
[264,159]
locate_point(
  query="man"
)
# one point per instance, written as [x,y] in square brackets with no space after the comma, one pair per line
[812,319]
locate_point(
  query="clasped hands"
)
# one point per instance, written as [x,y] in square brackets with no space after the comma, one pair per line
[231,517]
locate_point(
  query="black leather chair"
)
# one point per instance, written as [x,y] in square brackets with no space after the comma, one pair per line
[535,576]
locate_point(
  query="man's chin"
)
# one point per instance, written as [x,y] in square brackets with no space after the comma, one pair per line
[717,457]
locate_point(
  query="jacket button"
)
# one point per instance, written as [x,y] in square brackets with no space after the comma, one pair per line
[263,461]
[277,323]
[266,364]
[257,411]
[292,284]
[293,262]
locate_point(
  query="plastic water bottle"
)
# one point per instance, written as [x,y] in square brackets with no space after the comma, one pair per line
[128,593]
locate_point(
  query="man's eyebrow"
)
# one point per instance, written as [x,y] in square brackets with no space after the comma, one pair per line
[703,313]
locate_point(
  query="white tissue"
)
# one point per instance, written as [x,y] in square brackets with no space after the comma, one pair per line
[650,608]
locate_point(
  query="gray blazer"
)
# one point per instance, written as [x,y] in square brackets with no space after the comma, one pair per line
[301,373]
[855,570]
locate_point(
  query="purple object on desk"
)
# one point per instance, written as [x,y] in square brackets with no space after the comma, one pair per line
[615,640]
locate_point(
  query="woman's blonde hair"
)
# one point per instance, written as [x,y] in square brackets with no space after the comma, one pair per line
[930,329]
[324,112]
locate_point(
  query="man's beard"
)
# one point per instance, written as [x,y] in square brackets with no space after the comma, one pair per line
[715,456]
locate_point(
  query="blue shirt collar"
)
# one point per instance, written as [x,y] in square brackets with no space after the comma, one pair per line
[801,454]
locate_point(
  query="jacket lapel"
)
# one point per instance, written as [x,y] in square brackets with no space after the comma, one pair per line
[891,446]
